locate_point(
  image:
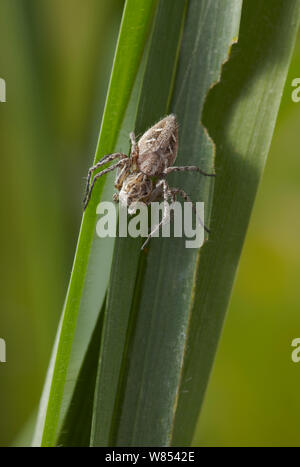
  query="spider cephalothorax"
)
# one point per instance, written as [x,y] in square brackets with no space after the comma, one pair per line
[137,187]
[142,176]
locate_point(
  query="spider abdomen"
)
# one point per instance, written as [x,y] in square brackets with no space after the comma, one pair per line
[158,147]
[152,163]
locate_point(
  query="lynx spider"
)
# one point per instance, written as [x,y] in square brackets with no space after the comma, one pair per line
[142,176]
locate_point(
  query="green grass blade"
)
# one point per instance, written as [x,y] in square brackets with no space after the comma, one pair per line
[88,280]
[158,342]
[153,103]
[158,286]
[240,115]
[76,429]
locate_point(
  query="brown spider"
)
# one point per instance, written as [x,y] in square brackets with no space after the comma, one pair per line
[142,176]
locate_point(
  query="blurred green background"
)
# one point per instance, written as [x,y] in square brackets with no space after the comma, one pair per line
[56,57]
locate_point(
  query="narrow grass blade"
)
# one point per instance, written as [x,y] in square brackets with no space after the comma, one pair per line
[76,429]
[89,281]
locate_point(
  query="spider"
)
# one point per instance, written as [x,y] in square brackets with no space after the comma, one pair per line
[142,176]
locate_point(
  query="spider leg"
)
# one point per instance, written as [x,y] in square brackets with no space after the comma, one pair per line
[188,168]
[104,160]
[185,196]
[134,151]
[157,192]
[133,140]
[122,174]
[98,175]
[164,183]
